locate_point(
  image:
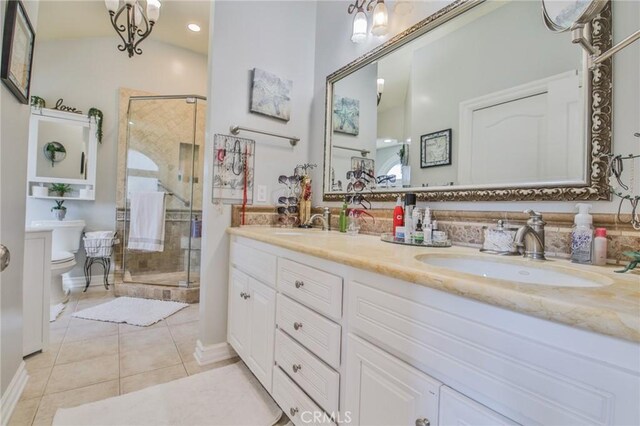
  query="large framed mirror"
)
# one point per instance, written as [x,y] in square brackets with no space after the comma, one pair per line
[478,102]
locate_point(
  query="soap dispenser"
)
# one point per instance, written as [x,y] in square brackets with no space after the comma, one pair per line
[582,235]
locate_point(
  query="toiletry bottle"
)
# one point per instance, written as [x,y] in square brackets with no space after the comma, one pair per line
[418,235]
[196,228]
[600,247]
[409,205]
[342,220]
[398,216]
[582,235]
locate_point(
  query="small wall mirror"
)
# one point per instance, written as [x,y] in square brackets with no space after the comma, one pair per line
[476,102]
[62,149]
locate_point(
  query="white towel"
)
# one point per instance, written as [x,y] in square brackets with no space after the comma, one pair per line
[99,234]
[146,228]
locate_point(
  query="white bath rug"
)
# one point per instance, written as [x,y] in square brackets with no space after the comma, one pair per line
[55,310]
[228,395]
[132,310]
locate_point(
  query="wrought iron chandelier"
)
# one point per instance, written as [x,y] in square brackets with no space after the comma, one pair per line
[131,24]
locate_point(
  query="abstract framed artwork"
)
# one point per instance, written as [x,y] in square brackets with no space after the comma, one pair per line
[17,51]
[435,149]
[346,115]
[271,95]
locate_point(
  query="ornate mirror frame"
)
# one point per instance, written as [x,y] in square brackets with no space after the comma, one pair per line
[598,122]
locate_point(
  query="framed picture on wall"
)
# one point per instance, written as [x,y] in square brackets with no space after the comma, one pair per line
[17,51]
[363,164]
[346,115]
[435,149]
[271,95]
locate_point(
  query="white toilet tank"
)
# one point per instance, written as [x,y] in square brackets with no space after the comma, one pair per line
[66,233]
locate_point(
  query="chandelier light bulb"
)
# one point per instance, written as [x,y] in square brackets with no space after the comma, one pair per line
[380,19]
[153,10]
[112,5]
[359,27]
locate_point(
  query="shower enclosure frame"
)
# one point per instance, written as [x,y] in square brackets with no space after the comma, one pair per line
[190,99]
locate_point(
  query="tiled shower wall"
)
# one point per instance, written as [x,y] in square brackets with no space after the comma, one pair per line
[465,227]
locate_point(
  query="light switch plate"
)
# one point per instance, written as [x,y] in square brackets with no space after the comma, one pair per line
[261,196]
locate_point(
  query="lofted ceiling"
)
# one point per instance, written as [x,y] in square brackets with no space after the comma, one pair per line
[81,19]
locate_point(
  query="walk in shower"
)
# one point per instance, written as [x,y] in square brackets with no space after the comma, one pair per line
[164,152]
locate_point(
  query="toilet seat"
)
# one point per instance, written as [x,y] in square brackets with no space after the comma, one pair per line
[59,257]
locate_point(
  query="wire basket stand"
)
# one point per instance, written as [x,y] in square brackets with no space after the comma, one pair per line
[98,250]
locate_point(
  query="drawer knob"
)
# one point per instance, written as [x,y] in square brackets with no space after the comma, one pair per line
[299,283]
[246,296]
[296,367]
[423,422]
[293,411]
[297,325]
[242,294]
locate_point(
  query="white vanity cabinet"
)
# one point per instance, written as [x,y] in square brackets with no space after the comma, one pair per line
[370,349]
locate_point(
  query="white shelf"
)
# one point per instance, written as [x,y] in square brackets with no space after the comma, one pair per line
[50,197]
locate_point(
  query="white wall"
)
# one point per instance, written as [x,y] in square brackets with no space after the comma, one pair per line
[277,37]
[334,50]
[13,174]
[88,73]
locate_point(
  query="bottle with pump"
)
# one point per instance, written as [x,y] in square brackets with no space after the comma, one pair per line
[398,216]
[342,220]
[582,235]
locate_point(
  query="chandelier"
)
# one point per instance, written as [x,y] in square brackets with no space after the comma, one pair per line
[380,19]
[131,24]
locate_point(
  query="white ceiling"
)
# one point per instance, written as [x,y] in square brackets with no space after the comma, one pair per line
[89,18]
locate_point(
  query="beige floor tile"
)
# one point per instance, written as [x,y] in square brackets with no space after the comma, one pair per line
[43,359]
[181,332]
[194,368]
[147,359]
[38,378]
[56,335]
[146,338]
[150,378]
[82,373]
[80,329]
[50,403]
[186,348]
[189,314]
[87,349]
[24,412]
[128,328]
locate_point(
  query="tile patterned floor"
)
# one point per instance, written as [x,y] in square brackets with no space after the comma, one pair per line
[91,360]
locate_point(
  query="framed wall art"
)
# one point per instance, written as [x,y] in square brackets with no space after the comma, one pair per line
[271,95]
[363,164]
[233,169]
[17,51]
[435,149]
[346,115]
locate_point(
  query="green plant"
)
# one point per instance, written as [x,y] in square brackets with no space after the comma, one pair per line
[52,148]
[61,189]
[59,205]
[97,114]
[38,102]
[403,153]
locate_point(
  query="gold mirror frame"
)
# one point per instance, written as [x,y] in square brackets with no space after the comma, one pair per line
[598,121]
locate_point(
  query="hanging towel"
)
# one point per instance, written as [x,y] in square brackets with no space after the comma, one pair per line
[146,229]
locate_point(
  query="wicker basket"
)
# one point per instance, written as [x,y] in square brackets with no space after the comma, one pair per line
[100,247]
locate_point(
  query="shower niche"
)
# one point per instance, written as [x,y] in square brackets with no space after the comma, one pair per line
[162,149]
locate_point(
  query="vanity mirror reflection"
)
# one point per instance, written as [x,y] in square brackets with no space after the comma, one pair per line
[62,149]
[477,102]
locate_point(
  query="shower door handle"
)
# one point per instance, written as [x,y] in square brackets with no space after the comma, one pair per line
[5,257]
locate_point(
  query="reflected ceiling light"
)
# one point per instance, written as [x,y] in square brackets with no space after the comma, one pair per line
[194,27]
[380,19]
[131,23]
[380,88]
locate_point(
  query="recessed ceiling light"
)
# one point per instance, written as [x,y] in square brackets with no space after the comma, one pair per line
[194,27]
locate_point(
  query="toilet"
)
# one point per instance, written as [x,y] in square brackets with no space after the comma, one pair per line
[64,246]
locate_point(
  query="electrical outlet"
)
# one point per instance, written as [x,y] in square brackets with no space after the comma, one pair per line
[261,197]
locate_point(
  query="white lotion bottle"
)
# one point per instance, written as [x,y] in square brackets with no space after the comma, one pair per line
[600,247]
[582,235]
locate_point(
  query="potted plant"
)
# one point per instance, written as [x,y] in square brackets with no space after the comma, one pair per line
[59,211]
[60,189]
[403,153]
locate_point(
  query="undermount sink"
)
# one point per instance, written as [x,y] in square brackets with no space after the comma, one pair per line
[503,269]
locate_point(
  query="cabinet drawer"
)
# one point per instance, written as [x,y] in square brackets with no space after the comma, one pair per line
[319,381]
[257,263]
[293,401]
[313,331]
[457,409]
[312,287]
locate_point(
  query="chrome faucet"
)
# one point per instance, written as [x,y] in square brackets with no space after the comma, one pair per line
[325,217]
[530,237]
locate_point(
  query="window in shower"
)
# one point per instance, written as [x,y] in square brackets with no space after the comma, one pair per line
[165,146]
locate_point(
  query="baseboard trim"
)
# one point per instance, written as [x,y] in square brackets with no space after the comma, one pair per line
[13,393]
[79,282]
[208,354]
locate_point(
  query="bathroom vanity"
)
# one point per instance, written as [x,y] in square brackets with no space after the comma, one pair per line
[369,333]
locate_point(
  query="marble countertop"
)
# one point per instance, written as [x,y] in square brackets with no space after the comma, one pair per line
[612,309]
